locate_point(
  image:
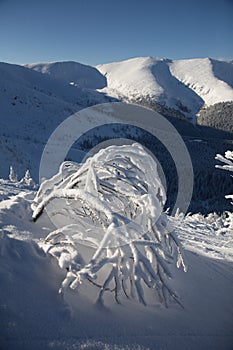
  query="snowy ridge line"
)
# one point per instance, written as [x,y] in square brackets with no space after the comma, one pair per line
[183,85]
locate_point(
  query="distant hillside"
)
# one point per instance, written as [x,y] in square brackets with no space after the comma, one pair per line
[218,116]
[32,106]
[73,73]
[179,88]
[182,85]
[212,80]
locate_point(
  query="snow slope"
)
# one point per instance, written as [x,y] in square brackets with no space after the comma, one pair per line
[72,72]
[32,106]
[35,316]
[212,80]
[149,78]
[185,85]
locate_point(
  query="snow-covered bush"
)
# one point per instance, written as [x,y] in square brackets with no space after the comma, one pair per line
[27,180]
[228,165]
[113,204]
[12,175]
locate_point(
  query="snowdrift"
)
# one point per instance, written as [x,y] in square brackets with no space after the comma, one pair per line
[34,315]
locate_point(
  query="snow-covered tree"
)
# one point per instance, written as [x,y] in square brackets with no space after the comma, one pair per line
[228,165]
[112,203]
[27,180]
[12,175]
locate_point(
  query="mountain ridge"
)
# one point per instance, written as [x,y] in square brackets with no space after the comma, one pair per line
[71,72]
[185,85]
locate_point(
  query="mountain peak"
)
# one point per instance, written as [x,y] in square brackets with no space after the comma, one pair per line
[79,74]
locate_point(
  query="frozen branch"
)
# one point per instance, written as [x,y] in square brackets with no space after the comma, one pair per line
[113,203]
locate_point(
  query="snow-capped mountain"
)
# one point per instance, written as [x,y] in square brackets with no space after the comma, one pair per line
[181,85]
[184,85]
[73,73]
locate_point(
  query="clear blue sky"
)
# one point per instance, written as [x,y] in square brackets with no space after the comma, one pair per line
[100,31]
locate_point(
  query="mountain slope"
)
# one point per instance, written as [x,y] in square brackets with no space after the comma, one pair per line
[218,116]
[149,78]
[32,106]
[72,72]
[185,85]
[206,77]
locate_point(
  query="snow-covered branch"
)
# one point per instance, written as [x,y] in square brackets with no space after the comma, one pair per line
[228,160]
[113,204]
[228,165]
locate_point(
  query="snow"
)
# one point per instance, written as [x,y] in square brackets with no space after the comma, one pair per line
[185,85]
[73,73]
[131,77]
[207,236]
[205,77]
[149,78]
[112,203]
[34,315]
[32,106]
[192,82]
[35,101]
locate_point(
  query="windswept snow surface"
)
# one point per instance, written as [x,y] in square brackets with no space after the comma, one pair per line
[34,316]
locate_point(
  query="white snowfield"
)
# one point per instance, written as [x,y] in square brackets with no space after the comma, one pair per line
[33,315]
